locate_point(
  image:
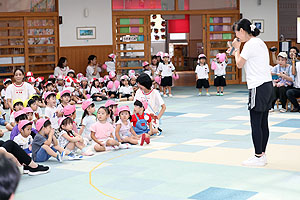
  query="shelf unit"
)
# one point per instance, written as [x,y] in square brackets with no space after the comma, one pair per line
[218,31]
[132,52]
[29,41]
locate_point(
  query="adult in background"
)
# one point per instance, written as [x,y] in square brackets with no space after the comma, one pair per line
[62,67]
[293,52]
[255,59]
[93,70]
[293,94]
[19,89]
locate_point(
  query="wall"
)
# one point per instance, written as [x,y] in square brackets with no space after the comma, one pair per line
[266,11]
[100,15]
[287,18]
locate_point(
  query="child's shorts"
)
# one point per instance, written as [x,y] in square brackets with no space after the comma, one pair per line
[103,142]
[126,96]
[112,93]
[166,81]
[42,155]
[220,81]
[202,83]
[2,122]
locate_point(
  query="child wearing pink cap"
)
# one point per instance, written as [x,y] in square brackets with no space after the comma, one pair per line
[88,118]
[24,139]
[154,66]
[112,107]
[111,66]
[65,99]
[45,144]
[124,131]
[202,71]
[125,91]
[133,83]
[102,133]
[51,110]
[29,114]
[220,64]
[113,85]
[148,70]
[68,139]
[70,111]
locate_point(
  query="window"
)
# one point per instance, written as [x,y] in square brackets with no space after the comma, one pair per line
[177,36]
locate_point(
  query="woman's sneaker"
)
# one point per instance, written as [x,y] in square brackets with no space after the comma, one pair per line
[38,170]
[255,161]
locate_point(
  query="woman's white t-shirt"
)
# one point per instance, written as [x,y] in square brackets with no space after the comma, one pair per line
[257,65]
[153,98]
[23,91]
[90,70]
[61,71]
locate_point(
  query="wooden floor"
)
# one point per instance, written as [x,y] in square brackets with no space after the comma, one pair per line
[186,78]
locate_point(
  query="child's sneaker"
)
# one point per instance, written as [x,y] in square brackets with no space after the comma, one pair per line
[161,93]
[271,110]
[200,94]
[115,147]
[218,94]
[124,146]
[40,169]
[87,152]
[221,94]
[170,95]
[282,110]
[109,148]
[165,95]
[207,94]
[73,156]
[60,156]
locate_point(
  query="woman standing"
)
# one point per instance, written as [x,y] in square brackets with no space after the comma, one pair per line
[62,67]
[19,89]
[93,70]
[255,59]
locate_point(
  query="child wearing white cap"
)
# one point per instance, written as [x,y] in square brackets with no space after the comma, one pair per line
[166,69]
[202,71]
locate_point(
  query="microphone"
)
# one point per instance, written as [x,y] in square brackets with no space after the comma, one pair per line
[232,48]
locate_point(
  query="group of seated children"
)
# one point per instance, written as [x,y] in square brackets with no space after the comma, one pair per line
[57,135]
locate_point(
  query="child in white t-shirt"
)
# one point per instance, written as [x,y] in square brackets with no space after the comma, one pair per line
[88,118]
[24,139]
[110,65]
[202,71]
[17,105]
[148,70]
[166,69]
[51,110]
[125,91]
[6,83]
[219,65]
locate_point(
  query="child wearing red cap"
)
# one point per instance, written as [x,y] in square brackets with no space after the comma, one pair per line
[88,118]
[124,131]
[24,139]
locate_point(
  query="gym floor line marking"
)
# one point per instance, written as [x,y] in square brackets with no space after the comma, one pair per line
[90,173]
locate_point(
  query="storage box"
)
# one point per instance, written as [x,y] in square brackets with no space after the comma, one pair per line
[226,36]
[18,60]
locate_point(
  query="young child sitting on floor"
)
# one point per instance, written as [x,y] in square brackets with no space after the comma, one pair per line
[45,144]
[24,139]
[124,130]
